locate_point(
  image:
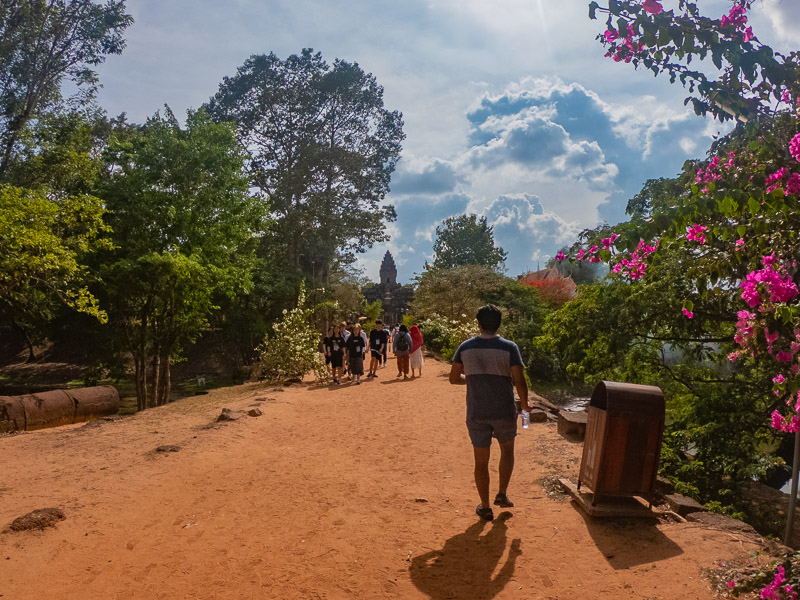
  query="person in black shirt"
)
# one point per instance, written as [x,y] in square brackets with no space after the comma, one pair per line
[378,341]
[337,346]
[326,350]
[356,348]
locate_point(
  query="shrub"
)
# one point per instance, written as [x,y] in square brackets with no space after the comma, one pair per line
[290,350]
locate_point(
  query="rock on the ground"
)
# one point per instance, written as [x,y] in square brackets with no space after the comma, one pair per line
[168,448]
[255,412]
[683,505]
[664,486]
[572,423]
[538,416]
[721,522]
[38,519]
[228,415]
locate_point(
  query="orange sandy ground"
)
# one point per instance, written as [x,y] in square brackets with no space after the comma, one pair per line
[318,499]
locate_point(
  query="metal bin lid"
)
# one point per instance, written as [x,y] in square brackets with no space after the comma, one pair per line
[617,397]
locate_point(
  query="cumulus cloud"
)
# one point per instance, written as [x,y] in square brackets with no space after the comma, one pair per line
[542,160]
[524,229]
[784,16]
[416,177]
[569,134]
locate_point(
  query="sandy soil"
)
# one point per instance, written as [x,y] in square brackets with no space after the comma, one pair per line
[350,492]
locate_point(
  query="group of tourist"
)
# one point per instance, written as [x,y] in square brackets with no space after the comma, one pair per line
[346,348]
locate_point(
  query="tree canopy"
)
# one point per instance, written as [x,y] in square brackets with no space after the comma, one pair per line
[322,148]
[185,225]
[466,240]
[42,42]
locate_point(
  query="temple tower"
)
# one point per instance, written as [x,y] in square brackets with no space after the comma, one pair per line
[388,270]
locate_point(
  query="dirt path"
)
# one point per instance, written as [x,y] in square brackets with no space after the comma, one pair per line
[320,498]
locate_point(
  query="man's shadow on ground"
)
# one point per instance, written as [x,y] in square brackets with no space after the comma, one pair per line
[463,568]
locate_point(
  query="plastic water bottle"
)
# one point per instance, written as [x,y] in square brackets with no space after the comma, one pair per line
[526,419]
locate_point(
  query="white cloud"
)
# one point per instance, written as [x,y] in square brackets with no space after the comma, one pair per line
[784,16]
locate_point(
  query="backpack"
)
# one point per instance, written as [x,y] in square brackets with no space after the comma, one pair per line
[402,342]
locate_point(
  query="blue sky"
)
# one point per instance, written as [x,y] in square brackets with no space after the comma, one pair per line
[511,111]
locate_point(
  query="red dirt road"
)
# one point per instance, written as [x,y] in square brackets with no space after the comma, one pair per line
[350,492]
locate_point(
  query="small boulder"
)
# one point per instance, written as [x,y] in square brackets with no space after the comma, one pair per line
[227,415]
[572,423]
[168,448]
[538,416]
[38,519]
[683,505]
[721,522]
[255,412]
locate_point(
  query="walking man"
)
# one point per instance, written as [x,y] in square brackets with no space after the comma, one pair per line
[378,340]
[491,367]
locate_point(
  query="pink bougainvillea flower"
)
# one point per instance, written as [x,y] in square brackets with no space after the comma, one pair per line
[748,35]
[652,7]
[784,356]
[581,252]
[696,233]
[739,244]
[611,35]
[731,585]
[774,181]
[560,256]
[793,184]
[735,17]
[779,379]
[688,313]
[794,147]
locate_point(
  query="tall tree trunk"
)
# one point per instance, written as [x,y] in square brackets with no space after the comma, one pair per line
[165,381]
[140,356]
[140,363]
[154,401]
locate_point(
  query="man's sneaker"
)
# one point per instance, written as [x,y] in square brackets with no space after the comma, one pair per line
[484,513]
[502,500]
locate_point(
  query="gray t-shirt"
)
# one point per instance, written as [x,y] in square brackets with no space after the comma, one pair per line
[490,387]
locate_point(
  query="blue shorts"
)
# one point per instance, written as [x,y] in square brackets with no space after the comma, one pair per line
[481,431]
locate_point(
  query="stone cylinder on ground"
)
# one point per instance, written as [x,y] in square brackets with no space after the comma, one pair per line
[56,407]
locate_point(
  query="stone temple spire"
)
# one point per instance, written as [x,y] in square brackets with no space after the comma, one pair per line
[388,269]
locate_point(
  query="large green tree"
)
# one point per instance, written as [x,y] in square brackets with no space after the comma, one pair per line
[466,240]
[185,226]
[43,42]
[454,293]
[44,242]
[322,148]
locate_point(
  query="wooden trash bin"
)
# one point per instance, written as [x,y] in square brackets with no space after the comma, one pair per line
[624,431]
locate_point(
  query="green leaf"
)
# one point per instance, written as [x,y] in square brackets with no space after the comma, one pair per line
[753,205]
[593,6]
[741,230]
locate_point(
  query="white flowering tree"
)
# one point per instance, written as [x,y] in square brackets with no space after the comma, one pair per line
[290,350]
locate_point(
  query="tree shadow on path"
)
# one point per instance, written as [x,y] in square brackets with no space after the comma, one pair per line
[463,568]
